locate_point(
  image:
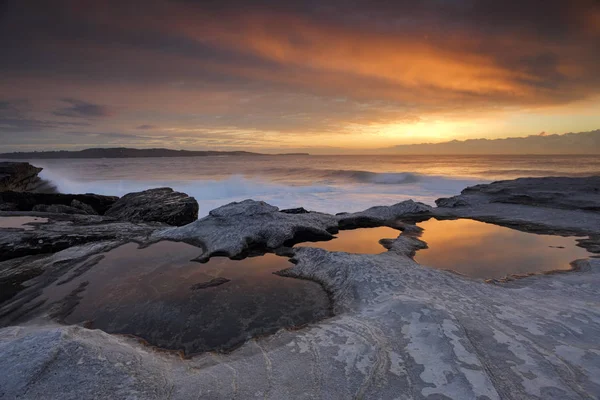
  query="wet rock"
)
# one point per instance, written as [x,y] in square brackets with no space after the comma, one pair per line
[213,282]
[159,205]
[66,230]
[26,201]
[18,176]
[299,210]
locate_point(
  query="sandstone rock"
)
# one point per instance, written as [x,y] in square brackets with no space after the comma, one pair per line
[237,228]
[401,330]
[159,205]
[384,215]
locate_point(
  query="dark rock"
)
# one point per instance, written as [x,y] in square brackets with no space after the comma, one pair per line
[18,176]
[211,283]
[26,201]
[451,202]
[552,192]
[8,207]
[160,205]
[299,210]
[67,230]
[58,209]
[86,208]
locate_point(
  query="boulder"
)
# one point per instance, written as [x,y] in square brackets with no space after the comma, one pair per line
[18,176]
[156,205]
[26,201]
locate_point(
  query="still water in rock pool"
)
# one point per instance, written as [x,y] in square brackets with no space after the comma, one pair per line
[159,295]
[472,248]
[483,250]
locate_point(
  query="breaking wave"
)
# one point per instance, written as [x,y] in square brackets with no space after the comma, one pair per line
[335,191]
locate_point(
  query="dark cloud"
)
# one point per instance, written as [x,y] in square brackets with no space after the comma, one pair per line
[282,66]
[79,109]
[15,117]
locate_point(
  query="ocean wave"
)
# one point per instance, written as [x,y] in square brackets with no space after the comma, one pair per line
[342,175]
[352,190]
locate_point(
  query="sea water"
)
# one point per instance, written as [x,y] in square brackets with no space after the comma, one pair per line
[322,183]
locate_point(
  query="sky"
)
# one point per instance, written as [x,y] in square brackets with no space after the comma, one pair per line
[270,75]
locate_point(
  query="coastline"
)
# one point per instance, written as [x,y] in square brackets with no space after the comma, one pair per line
[398,328]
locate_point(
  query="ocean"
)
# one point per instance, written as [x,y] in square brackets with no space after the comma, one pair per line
[321,183]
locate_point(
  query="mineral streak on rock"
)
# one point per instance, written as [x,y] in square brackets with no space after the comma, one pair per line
[400,331]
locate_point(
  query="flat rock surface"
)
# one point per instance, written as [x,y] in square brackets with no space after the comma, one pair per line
[400,330]
[159,205]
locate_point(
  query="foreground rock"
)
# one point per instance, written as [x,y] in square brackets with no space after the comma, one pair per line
[21,177]
[64,231]
[400,331]
[158,205]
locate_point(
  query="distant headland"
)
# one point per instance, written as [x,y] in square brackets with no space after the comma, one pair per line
[124,152]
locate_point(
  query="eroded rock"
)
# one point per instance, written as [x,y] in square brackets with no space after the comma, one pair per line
[239,227]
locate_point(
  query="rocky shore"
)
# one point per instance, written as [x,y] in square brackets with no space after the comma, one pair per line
[397,330]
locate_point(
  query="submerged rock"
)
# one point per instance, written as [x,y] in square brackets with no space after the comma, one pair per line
[159,205]
[213,282]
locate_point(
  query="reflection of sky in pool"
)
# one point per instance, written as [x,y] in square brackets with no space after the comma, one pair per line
[482,250]
[148,293]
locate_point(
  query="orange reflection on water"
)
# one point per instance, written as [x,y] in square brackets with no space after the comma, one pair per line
[363,241]
[482,250]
